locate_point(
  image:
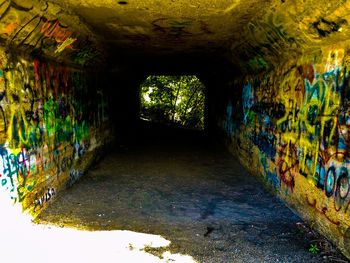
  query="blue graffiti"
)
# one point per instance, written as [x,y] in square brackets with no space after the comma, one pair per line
[334,181]
[271,178]
[16,167]
[248,100]
[229,124]
[265,142]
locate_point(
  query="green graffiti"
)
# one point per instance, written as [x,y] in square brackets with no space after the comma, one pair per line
[81,131]
[255,64]
[177,28]
[62,128]
[50,110]
[30,187]
[85,57]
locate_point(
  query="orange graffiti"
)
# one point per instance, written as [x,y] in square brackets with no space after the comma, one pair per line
[8,30]
[55,31]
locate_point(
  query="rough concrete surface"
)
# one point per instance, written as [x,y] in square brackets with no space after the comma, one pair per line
[196,196]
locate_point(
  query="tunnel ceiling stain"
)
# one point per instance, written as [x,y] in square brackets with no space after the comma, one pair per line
[164,26]
[253,34]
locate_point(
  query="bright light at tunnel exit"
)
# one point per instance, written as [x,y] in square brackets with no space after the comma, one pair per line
[178,100]
[23,241]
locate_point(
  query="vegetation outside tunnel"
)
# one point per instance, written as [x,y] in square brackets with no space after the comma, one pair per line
[175,100]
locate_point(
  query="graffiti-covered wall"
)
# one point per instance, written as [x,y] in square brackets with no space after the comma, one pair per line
[291,127]
[52,121]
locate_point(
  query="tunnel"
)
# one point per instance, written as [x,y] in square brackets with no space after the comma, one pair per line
[265,180]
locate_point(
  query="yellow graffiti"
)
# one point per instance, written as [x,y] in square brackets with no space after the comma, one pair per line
[65,44]
[334,60]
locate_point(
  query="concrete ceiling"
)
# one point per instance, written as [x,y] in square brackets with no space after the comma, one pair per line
[253,34]
[164,26]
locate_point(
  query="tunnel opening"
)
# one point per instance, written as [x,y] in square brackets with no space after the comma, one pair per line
[178,101]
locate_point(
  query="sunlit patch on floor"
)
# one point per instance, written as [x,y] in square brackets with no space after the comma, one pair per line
[23,241]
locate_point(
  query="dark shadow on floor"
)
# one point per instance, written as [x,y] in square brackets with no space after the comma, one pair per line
[178,184]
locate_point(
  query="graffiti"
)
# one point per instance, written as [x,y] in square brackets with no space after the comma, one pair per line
[325,27]
[176,29]
[255,64]
[50,193]
[25,28]
[296,122]
[85,57]
[288,165]
[61,127]
[46,128]
[332,177]
[229,124]
[266,143]
[67,43]
[74,176]
[54,30]
[46,124]
[323,211]
[334,60]
[37,31]
[269,38]
[10,28]
[271,177]
[313,118]
[248,101]
[272,110]
[17,172]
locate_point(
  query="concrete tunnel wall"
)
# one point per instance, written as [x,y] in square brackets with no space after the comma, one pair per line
[53,107]
[53,119]
[290,127]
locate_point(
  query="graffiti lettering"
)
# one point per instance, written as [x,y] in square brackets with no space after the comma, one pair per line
[50,193]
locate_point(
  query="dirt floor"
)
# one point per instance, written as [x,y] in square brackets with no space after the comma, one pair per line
[197,196]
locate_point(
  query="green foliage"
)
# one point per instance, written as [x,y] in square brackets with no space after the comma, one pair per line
[313,248]
[176,99]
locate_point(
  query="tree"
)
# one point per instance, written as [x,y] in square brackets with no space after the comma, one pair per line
[176,99]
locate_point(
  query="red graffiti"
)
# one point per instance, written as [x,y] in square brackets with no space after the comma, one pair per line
[347,207]
[57,77]
[335,206]
[36,64]
[288,165]
[321,212]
